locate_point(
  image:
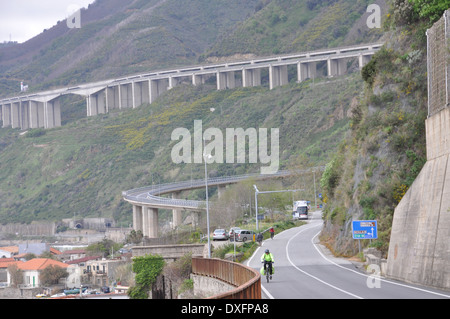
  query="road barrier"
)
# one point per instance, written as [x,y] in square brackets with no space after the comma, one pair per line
[246,280]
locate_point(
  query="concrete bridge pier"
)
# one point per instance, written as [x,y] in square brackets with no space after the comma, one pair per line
[141,93]
[125,95]
[278,76]
[145,219]
[251,77]
[306,71]
[15,114]
[225,80]
[24,114]
[6,115]
[363,60]
[96,103]
[336,67]
[173,82]
[176,213]
[36,114]
[157,87]
[52,113]
[220,190]
[112,98]
[198,79]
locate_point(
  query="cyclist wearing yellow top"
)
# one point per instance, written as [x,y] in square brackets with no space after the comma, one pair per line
[267,259]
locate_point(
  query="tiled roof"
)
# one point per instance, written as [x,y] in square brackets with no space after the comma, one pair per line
[74,251]
[5,262]
[84,259]
[11,249]
[55,251]
[40,263]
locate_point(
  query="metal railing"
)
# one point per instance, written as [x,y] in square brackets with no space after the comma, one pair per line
[438,66]
[246,280]
[150,195]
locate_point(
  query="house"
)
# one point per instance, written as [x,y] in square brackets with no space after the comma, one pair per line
[19,252]
[4,263]
[102,272]
[31,270]
[73,254]
[8,251]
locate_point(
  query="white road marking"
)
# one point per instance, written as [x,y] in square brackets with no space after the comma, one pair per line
[308,274]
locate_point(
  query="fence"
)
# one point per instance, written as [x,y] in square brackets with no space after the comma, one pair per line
[246,280]
[438,66]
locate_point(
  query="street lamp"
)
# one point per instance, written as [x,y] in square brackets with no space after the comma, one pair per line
[207,203]
[266,192]
[256,205]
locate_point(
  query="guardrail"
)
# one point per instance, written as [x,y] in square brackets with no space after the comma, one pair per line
[246,280]
[151,194]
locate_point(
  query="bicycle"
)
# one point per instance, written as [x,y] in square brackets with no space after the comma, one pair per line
[266,270]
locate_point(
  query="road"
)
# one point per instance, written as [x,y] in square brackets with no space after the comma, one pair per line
[307,270]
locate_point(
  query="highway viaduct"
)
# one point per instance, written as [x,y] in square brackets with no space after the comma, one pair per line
[147,200]
[43,109]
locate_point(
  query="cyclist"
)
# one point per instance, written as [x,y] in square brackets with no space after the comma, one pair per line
[259,238]
[267,259]
[272,232]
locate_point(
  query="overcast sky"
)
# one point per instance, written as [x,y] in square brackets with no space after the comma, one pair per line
[21,20]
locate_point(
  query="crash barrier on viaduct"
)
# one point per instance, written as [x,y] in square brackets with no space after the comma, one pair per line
[247,281]
[419,246]
[43,109]
[147,200]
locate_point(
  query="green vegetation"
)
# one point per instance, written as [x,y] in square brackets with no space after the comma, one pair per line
[147,268]
[82,167]
[385,150]
[371,135]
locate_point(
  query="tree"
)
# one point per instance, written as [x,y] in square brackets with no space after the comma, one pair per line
[430,9]
[51,275]
[274,201]
[103,247]
[16,275]
[135,237]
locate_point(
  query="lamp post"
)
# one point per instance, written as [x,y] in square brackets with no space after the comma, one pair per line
[266,192]
[207,203]
[256,206]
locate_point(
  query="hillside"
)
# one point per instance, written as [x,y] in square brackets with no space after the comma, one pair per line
[385,148]
[119,38]
[81,168]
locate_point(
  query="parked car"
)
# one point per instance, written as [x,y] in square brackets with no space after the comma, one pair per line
[244,235]
[105,290]
[220,234]
[233,230]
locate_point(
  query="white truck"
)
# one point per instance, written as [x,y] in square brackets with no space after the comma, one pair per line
[300,209]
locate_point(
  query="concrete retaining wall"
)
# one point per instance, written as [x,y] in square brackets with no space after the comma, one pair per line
[205,287]
[419,249]
[170,252]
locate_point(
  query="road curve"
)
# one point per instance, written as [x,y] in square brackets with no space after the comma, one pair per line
[151,195]
[307,270]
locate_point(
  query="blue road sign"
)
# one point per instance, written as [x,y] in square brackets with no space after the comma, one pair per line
[364,229]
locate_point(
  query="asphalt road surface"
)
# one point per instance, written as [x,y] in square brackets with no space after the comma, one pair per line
[306,270]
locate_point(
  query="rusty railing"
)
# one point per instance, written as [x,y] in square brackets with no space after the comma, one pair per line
[246,280]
